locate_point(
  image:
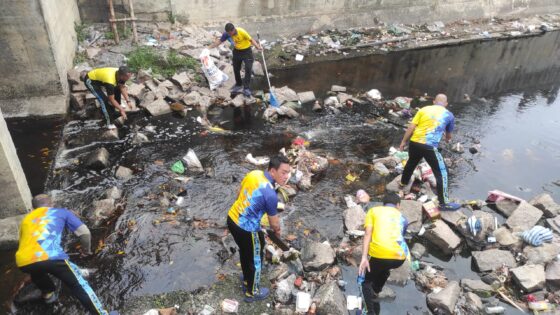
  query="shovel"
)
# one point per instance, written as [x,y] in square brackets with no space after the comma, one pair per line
[272,99]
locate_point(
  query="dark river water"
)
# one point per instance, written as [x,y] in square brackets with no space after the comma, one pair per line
[514,114]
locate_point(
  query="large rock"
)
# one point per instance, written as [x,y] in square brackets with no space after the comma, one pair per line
[381,169]
[506,207]
[553,275]
[136,90]
[491,259]
[338,88]
[331,300]
[554,224]
[109,135]
[158,107]
[454,218]
[418,250]
[98,160]
[123,173]
[524,217]
[192,99]
[317,256]
[529,277]
[394,186]
[182,79]
[285,94]
[354,218]
[444,301]
[546,204]
[258,69]
[238,100]
[9,232]
[505,238]
[113,193]
[139,138]
[284,289]
[306,97]
[287,111]
[412,211]
[541,254]
[477,286]
[102,210]
[474,302]
[443,237]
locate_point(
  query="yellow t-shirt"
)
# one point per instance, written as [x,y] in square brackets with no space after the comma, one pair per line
[431,123]
[241,40]
[105,75]
[387,240]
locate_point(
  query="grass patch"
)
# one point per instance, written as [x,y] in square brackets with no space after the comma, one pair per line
[166,65]
[124,32]
[80,29]
[80,57]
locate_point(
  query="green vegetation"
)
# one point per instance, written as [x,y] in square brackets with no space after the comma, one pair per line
[80,57]
[80,29]
[124,32]
[166,65]
[171,17]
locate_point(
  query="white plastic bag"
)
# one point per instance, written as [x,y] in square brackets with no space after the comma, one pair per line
[214,75]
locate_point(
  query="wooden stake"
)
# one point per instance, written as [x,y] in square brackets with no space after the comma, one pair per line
[112,20]
[133,19]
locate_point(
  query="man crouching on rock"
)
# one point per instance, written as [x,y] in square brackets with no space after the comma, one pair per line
[256,197]
[384,246]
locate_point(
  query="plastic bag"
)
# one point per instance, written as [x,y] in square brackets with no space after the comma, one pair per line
[214,75]
[178,167]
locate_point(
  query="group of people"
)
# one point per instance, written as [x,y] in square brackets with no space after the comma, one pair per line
[40,253]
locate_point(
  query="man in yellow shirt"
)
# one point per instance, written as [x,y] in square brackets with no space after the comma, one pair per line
[242,53]
[113,81]
[384,246]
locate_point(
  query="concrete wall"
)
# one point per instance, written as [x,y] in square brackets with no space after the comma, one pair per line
[15,196]
[285,17]
[37,47]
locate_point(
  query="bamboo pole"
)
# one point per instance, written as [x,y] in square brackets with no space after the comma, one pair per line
[133,19]
[112,21]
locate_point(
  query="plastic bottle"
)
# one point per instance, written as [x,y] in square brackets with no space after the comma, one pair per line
[494,309]
[539,306]
[361,279]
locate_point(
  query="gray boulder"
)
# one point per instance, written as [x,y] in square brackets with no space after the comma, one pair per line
[443,237]
[444,301]
[505,238]
[102,210]
[123,173]
[529,277]
[381,169]
[139,138]
[412,211]
[506,207]
[182,79]
[136,90]
[354,218]
[317,256]
[258,69]
[477,286]
[491,259]
[285,94]
[418,250]
[158,107]
[338,88]
[113,193]
[331,299]
[192,99]
[454,218]
[546,204]
[287,111]
[284,289]
[306,97]
[9,232]
[474,302]
[238,100]
[400,276]
[98,160]
[553,275]
[541,254]
[524,217]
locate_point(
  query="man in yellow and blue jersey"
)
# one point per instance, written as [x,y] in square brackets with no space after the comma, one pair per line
[113,81]
[40,253]
[384,246]
[257,197]
[425,131]
[242,53]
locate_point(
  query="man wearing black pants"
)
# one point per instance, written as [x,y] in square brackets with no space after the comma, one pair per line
[40,253]
[242,53]
[384,247]
[256,197]
[425,132]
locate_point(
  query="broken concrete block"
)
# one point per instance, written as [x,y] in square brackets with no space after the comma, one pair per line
[546,204]
[109,135]
[506,207]
[182,79]
[491,259]
[79,87]
[354,218]
[135,90]
[524,217]
[192,99]
[529,277]
[443,237]
[102,210]
[285,94]
[542,254]
[400,276]
[412,211]
[554,224]
[444,301]
[552,274]
[98,160]
[113,193]
[284,289]
[343,97]
[287,111]
[306,97]
[238,100]
[158,107]
[92,52]
[139,138]
[381,169]
[338,88]
[504,237]
[474,302]
[418,250]
[258,69]
[478,287]
[123,173]
[73,76]
[453,218]
[331,299]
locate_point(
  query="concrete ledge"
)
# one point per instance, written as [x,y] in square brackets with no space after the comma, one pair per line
[9,232]
[34,106]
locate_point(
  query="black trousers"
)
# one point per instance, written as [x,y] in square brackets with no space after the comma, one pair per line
[107,109]
[251,245]
[376,278]
[243,56]
[70,275]
[417,151]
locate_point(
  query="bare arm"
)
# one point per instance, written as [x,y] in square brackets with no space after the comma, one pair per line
[84,235]
[407,135]
[364,264]
[274,222]
[124,92]
[116,105]
[256,44]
